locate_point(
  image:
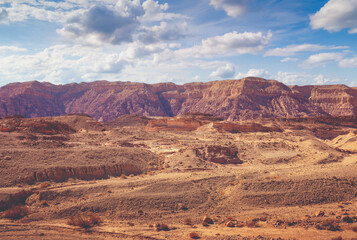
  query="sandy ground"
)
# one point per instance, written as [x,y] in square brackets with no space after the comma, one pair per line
[285,180]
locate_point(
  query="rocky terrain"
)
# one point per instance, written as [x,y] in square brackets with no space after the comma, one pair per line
[248,98]
[193,176]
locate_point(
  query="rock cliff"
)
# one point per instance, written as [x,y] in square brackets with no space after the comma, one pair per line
[243,99]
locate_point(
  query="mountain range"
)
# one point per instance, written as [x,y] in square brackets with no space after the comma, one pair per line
[243,99]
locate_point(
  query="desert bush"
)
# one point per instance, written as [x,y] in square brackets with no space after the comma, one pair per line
[84,221]
[330,225]
[16,212]
[347,219]
[337,238]
[354,229]
[194,235]
[162,227]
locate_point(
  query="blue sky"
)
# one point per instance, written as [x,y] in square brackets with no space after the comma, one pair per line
[62,41]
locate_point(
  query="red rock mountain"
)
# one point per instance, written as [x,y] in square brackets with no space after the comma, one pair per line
[247,98]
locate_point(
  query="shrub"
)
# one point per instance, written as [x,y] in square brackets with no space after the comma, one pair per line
[330,225]
[84,221]
[162,227]
[354,229]
[194,235]
[16,212]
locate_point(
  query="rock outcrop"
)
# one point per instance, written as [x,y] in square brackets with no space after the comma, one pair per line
[62,174]
[12,196]
[219,154]
[248,98]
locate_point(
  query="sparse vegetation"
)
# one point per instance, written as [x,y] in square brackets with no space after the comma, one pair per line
[162,227]
[329,224]
[84,221]
[16,212]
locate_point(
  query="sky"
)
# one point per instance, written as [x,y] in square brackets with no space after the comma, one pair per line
[301,42]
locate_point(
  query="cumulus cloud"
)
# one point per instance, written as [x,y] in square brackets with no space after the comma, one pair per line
[12,49]
[163,32]
[322,80]
[301,78]
[293,78]
[321,59]
[101,24]
[156,12]
[233,8]
[61,63]
[226,71]
[336,15]
[291,50]
[348,63]
[125,21]
[254,73]
[232,43]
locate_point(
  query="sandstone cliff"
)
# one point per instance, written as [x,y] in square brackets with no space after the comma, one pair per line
[243,99]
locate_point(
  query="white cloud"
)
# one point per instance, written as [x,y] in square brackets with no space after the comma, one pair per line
[348,63]
[12,49]
[254,73]
[233,8]
[156,12]
[322,80]
[293,78]
[21,11]
[61,64]
[226,71]
[232,43]
[336,15]
[289,59]
[321,59]
[291,50]
[300,78]
[163,33]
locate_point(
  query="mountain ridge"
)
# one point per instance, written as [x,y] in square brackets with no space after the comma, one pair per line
[243,99]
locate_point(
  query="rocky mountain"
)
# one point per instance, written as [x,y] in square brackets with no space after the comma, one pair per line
[247,98]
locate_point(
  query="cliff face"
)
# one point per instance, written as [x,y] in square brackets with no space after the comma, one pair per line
[231,100]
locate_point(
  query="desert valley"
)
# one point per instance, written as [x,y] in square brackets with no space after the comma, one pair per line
[236,159]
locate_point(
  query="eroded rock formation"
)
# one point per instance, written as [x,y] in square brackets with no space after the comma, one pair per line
[62,174]
[243,99]
[219,154]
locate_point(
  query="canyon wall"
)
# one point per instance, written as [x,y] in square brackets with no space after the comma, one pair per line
[243,99]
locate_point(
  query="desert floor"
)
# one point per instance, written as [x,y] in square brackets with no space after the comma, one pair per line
[290,184]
